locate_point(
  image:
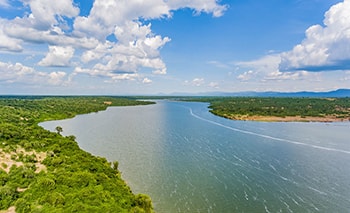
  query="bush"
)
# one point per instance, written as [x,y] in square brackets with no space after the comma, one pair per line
[8,194]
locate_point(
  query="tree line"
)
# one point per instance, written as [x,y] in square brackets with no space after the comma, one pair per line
[280,107]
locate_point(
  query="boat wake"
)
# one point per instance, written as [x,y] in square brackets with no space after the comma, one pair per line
[267,136]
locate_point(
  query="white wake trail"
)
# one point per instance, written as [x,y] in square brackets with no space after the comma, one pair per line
[269,137]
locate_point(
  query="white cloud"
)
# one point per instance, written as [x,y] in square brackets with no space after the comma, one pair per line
[325,47]
[207,6]
[19,29]
[136,44]
[11,72]
[246,75]
[18,73]
[106,74]
[267,69]
[106,14]
[124,76]
[267,63]
[56,78]
[197,82]
[214,85]
[47,13]
[135,47]
[257,69]
[95,54]
[277,75]
[57,56]
[146,81]
[7,43]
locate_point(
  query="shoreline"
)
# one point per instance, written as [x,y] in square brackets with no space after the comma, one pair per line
[260,118]
[47,155]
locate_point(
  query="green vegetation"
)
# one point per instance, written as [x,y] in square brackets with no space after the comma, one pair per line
[42,171]
[246,107]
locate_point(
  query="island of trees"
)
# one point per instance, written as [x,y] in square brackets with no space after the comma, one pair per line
[43,171]
[279,109]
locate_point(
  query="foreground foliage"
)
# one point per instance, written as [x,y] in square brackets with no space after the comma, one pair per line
[71,179]
[235,107]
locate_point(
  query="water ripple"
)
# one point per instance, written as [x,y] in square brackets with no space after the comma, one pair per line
[269,137]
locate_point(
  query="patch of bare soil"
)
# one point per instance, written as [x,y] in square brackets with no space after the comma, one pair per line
[12,209]
[7,159]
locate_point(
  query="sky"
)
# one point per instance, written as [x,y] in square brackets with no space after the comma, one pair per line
[152,47]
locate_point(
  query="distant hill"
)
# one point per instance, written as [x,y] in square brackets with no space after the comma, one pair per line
[331,94]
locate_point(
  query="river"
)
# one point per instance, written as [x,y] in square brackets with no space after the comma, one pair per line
[189,160]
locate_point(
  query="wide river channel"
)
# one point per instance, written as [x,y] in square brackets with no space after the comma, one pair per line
[189,160]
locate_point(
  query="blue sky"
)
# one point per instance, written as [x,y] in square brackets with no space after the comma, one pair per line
[151,47]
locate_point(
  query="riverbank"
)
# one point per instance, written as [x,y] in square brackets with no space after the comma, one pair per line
[284,109]
[43,171]
[191,161]
[326,119]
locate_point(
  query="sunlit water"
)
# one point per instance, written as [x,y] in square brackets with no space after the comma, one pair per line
[189,160]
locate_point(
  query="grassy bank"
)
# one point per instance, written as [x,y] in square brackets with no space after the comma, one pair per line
[41,171]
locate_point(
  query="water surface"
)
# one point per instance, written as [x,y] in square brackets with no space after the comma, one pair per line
[189,160]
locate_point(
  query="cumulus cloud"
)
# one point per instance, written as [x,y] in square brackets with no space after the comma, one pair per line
[6,42]
[246,75]
[277,75]
[113,41]
[325,48]
[20,30]
[268,63]
[56,78]
[114,77]
[197,82]
[19,73]
[207,6]
[267,69]
[105,14]
[57,56]
[136,44]
[137,47]
[146,81]
[47,13]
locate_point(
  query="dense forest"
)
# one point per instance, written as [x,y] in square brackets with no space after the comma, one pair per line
[241,108]
[43,171]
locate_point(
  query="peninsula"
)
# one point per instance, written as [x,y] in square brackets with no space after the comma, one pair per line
[280,109]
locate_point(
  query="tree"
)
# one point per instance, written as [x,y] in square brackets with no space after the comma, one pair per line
[59,129]
[115,166]
[144,202]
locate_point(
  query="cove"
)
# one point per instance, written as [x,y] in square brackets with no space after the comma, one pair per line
[189,160]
